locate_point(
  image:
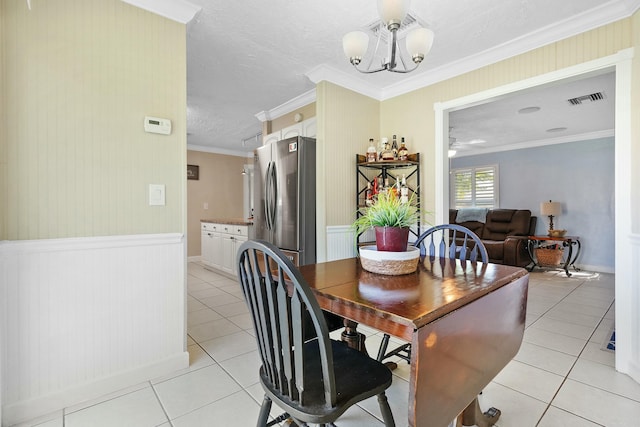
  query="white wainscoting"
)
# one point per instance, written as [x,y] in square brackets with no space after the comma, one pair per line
[83,317]
[628,315]
[340,242]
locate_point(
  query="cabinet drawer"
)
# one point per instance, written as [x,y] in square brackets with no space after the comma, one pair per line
[207,226]
[240,230]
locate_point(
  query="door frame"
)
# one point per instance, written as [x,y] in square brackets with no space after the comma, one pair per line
[627,314]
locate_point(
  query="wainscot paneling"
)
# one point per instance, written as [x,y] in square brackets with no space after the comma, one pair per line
[630,317]
[83,317]
[340,242]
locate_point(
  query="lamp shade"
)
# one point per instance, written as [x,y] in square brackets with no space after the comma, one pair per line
[355,44]
[419,42]
[551,208]
[393,11]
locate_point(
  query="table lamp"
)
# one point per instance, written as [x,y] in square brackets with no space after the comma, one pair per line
[551,209]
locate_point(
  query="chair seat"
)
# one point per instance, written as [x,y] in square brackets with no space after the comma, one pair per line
[357,377]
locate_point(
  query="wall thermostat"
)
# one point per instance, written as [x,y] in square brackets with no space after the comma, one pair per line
[156,125]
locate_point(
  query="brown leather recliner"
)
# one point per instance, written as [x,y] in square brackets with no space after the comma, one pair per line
[504,234]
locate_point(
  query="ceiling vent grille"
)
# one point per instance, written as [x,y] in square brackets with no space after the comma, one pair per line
[410,21]
[598,96]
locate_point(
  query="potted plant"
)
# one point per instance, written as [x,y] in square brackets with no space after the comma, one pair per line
[391,219]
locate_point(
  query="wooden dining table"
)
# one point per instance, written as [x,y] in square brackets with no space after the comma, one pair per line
[465,322]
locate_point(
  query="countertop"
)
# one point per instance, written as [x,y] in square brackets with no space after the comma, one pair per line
[230,221]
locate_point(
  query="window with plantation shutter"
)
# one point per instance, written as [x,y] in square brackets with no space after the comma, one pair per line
[474,187]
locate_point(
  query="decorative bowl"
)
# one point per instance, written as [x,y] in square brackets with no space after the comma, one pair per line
[557,233]
[389,263]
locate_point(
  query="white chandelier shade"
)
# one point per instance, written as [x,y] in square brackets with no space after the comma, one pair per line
[392,12]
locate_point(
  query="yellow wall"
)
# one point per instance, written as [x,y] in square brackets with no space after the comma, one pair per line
[346,121]
[80,76]
[635,127]
[220,185]
[307,112]
[412,114]
[3,134]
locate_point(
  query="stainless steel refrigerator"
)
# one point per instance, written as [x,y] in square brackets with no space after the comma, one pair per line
[285,197]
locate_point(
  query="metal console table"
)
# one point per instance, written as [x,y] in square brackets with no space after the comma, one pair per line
[567,243]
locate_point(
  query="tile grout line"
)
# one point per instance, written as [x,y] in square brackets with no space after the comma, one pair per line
[566,377]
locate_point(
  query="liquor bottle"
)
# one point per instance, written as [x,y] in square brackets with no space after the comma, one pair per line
[368,195]
[403,153]
[374,193]
[394,148]
[404,190]
[391,189]
[372,153]
[387,153]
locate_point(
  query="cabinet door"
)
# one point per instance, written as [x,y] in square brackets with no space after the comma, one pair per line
[216,250]
[291,131]
[238,242]
[228,253]
[309,128]
[206,246]
[272,137]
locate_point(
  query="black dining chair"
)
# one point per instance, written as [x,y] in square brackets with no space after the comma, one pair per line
[451,241]
[313,380]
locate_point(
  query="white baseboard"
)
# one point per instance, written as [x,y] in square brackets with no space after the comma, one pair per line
[595,268]
[196,258]
[27,409]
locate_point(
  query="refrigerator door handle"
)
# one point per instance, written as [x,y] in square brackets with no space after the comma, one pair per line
[267,186]
[274,193]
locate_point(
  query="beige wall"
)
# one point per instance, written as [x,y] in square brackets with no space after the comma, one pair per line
[346,121]
[413,113]
[79,78]
[635,127]
[307,112]
[4,209]
[220,185]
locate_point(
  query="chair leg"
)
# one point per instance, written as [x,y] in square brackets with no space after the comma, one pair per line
[387,416]
[264,412]
[383,347]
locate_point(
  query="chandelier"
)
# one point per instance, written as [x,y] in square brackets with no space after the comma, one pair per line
[392,13]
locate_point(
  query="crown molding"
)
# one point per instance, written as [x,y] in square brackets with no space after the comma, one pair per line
[289,106]
[177,10]
[333,75]
[604,14]
[215,150]
[608,133]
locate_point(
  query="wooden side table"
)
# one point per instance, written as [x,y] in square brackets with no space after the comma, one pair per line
[567,242]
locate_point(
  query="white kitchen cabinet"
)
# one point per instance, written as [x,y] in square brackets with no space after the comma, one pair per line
[304,128]
[220,244]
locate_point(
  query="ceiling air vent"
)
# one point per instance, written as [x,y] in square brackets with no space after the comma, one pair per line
[410,22]
[598,96]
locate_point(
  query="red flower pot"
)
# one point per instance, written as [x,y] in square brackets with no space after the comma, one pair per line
[392,239]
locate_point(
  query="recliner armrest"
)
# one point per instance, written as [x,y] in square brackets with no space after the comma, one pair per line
[515,251]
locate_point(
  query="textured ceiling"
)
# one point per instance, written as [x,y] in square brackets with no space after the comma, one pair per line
[547,117]
[244,57]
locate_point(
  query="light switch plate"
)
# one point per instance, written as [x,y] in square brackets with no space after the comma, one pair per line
[156,195]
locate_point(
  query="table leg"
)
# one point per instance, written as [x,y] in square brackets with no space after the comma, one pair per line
[565,267]
[352,337]
[530,248]
[573,261]
[473,416]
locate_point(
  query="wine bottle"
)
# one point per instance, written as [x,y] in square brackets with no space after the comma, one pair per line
[394,148]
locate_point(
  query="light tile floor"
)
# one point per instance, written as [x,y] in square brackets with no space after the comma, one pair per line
[560,377]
